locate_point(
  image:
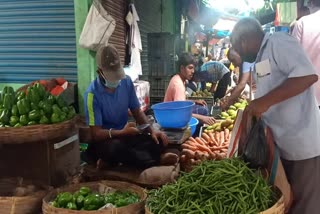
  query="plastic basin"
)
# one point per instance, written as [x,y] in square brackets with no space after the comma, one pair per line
[193,125]
[176,114]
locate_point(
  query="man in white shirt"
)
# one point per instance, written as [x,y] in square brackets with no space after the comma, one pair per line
[307,31]
[285,101]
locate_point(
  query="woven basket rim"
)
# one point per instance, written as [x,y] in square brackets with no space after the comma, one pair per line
[37,133]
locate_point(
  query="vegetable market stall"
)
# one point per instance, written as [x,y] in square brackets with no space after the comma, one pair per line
[213,182]
[39,136]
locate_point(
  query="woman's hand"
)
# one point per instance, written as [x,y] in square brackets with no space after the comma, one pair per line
[207,120]
[159,135]
[130,130]
[200,102]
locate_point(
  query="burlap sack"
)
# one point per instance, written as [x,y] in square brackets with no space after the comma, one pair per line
[152,177]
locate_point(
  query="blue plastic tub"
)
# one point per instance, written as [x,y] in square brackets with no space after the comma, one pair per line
[193,125]
[176,114]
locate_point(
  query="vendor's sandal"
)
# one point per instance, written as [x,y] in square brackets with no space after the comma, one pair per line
[169,159]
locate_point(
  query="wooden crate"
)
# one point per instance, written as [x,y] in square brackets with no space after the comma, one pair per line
[51,162]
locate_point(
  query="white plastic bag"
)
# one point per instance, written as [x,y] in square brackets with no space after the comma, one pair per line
[98,27]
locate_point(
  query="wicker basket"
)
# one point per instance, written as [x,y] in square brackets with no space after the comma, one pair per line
[136,208]
[36,133]
[20,205]
[278,208]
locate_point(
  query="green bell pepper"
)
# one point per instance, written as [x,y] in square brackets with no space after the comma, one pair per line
[84,191]
[8,101]
[5,117]
[40,89]
[42,112]
[44,120]
[80,201]
[51,99]
[32,123]
[33,95]
[55,118]
[93,202]
[7,90]
[71,112]
[121,202]
[41,103]
[110,198]
[18,125]
[65,109]
[61,103]
[75,196]
[23,106]
[28,94]
[34,115]
[56,109]
[46,95]
[24,120]
[47,108]
[72,206]
[14,111]
[20,95]
[55,204]
[64,199]
[13,120]
[34,106]
[63,116]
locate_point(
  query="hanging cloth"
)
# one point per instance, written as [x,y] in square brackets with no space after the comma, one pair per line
[134,43]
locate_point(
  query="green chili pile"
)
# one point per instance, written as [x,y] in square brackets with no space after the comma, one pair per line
[226,186]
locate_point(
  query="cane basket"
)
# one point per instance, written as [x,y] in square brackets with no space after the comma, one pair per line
[135,208]
[28,204]
[36,133]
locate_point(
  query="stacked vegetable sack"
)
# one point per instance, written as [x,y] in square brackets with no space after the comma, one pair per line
[221,187]
[86,199]
[35,106]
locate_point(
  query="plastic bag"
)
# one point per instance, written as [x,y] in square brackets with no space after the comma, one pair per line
[256,151]
[98,27]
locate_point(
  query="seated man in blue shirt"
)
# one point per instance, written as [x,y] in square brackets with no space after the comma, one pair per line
[107,101]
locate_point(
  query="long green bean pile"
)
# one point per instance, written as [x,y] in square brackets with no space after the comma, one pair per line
[213,187]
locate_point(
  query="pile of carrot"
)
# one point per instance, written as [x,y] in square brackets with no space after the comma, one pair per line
[210,146]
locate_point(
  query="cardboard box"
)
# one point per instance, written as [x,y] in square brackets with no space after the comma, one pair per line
[51,162]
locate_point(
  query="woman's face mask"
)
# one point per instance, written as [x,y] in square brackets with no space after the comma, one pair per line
[112,85]
[108,83]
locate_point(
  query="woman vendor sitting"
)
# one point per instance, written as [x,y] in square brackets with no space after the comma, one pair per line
[116,141]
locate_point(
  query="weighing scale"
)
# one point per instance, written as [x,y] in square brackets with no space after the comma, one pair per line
[178,135]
